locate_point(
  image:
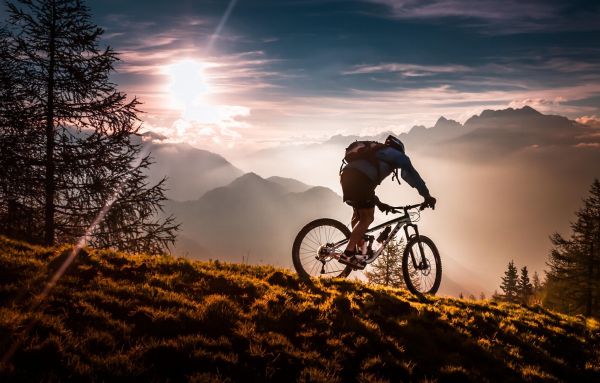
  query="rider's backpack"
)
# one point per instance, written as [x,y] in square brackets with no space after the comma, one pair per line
[362,150]
[365,150]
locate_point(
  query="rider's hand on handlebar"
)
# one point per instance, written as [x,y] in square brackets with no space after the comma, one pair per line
[384,207]
[429,202]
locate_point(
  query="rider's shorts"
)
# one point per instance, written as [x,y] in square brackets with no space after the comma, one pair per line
[359,190]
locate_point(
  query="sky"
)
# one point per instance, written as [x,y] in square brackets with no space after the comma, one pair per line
[253,73]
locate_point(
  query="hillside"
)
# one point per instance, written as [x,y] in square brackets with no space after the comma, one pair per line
[117,317]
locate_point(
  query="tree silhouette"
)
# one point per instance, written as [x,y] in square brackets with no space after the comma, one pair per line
[509,283]
[79,149]
[538,288]
[524,286]
[573,278]
[537,285]
[387,269]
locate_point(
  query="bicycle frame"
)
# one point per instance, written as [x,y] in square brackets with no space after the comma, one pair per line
[403,221]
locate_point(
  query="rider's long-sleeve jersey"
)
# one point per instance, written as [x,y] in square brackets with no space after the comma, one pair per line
[390,159]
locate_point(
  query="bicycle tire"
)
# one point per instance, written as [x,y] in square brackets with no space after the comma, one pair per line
[410,284]
[301,236]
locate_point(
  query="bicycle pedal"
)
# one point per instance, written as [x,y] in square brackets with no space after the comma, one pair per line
[356,265]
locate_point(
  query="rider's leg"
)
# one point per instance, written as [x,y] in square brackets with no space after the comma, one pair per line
[353,222]
[361,220]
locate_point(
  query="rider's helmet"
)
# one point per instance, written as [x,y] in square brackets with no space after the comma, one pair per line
[394,143]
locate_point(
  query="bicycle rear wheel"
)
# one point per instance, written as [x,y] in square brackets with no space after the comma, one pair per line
[312,239]
[422,272]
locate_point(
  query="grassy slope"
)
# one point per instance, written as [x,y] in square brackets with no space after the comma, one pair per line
[113,317]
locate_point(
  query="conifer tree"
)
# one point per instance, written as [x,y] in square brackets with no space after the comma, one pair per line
[18,188]
[573,278]
[524,286]
[538,288]
[79,151]
[537,285]
[509,283]
[387,269]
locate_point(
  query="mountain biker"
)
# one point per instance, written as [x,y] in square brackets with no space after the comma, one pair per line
[360,177]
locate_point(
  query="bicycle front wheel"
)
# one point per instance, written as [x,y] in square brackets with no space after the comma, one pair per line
[310,255]
[421,266]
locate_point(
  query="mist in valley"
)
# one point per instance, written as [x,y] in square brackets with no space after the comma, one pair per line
[505,181]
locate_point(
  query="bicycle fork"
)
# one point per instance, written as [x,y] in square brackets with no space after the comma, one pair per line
[423,262]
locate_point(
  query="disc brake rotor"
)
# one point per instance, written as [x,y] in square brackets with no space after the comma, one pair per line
[425,268]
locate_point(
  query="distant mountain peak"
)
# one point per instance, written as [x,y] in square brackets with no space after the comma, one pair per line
[190,171]
[511,112]
[416,129]
[443,122]
[528,109]
[290,184]
[250,177]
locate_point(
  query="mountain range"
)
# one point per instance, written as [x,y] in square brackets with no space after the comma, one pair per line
[190,172]
[252,219]
[525,169]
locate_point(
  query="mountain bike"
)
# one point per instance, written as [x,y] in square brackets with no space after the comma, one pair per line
[320,243]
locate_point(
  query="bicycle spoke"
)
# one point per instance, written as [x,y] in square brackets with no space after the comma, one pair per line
[308,257]
[422,277]
[315,240]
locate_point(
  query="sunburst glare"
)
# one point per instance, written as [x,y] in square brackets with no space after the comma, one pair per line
[187,83]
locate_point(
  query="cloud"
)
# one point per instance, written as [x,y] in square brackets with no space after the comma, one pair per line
[401,109]
[409,70]
[196,133]
[588,145]
[482,9]
[288,81]
[500,17]
[593,121]
[539,103]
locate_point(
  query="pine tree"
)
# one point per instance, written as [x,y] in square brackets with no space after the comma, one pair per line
[573,278]
[18,189]
[482,296]
[538,289]
[524,286]
[509,283]
[79,149]
[537,285]
[387,269]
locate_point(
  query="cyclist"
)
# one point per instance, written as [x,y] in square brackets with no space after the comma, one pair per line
[360,177]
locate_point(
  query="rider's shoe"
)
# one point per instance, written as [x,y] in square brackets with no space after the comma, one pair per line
[349,258]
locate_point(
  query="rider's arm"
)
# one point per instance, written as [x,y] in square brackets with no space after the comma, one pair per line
[408,171]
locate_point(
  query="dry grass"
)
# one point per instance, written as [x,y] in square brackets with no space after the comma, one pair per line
[116,317]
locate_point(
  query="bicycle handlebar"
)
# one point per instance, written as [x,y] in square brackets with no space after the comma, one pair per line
[396,209]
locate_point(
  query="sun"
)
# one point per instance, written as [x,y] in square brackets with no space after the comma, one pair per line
[196,101]
[187,86]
